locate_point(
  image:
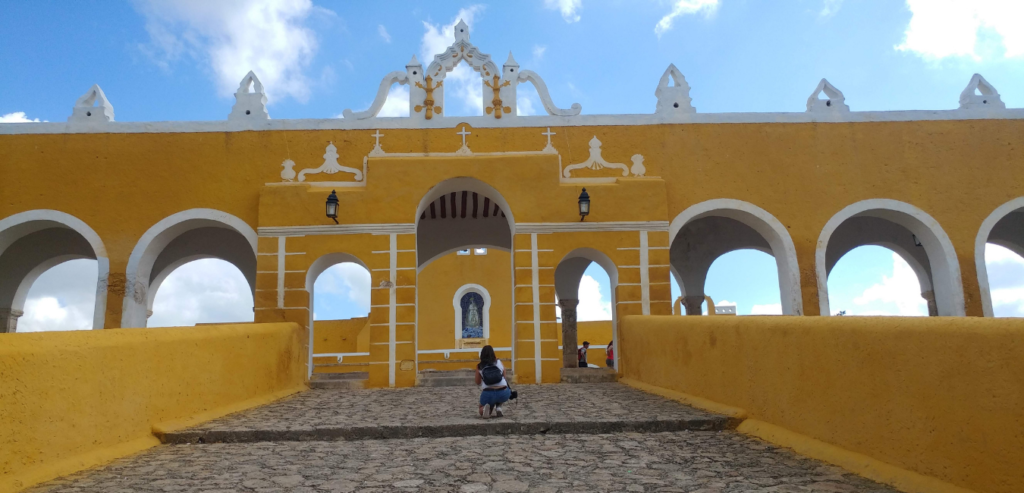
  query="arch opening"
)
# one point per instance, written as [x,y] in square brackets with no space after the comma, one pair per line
[707,231]
[200,290]
[32,243]
[179,239]
[461,213]
[339,287]
[998,250]
[581,278]
[906,230]
[743,282]
[876,280]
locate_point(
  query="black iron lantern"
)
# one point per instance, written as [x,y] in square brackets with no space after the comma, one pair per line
[584,204]
[332,206]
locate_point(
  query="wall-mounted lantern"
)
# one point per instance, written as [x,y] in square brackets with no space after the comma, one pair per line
[332,206]
[584,204]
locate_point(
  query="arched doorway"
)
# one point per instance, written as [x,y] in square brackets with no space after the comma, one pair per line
[906,230]
[706,231]
[464,230]
[1003,228]
[340,333]
[569,275]
[177,240]
[35,241]
[205,290]
[875,280]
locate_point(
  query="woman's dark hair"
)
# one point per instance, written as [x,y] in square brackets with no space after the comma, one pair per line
[487,357]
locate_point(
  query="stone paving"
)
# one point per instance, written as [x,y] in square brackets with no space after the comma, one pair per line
[451,411]
[282,447]
[688,461]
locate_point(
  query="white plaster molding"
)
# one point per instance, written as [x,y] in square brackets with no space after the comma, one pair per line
[288,170]
[338,229]
[485,310]
[595,161]
[392,78]
[545,96]
[154,241]
[250,105]
[979,251]
[14,227]
[93,106]
[988,98]
[770,228]
[674,99]
[543,228]
[331,166]
[638,169]
[945,268]
[479,122]
[834,101]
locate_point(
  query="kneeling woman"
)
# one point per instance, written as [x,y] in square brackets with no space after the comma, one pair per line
[490,376]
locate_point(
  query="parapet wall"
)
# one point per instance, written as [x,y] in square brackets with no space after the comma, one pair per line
[72,400]
[938,397]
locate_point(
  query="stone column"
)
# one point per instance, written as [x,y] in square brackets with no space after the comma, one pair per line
[693,304]
[9,320]
[933,309]
[569,359]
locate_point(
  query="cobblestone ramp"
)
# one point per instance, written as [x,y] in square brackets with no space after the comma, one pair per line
[324,414]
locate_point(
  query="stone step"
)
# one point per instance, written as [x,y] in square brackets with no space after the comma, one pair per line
[352,375]
[482,428]
[338,384]
[589,375]
[450,378]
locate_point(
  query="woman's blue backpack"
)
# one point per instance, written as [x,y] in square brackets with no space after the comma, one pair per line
[491,375]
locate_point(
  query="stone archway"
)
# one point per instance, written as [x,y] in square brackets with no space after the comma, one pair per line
[568,274]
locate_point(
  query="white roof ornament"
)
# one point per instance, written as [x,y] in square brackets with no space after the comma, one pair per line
[834,101]
[426,87]
[980,94]
[674,99]
[250,105]
[93,106]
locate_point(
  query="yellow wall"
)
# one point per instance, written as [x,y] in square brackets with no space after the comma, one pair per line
[341,336]
[941,397]
[437,284]
[71,400]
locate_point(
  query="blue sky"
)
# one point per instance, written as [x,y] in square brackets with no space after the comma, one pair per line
[162,60]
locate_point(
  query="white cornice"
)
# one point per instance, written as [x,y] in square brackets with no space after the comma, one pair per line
[522,121]
[338,229]
[591,226]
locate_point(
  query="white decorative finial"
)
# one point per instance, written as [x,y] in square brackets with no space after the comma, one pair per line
[464,150]
[250,105]
[288,170]
[980,94]
[595,161]
[93,106]
[414,62]
[461,31]
[331,165]
[834,101]
[377,151]
[674,99]
[549,149]
[511,62]
[638,168]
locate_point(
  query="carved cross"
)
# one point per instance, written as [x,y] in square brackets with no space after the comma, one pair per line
[496,107]
[428,102]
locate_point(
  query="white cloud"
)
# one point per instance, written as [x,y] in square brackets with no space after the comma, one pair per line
[527,100]
[569,8]
[538,52]
[16,117]
[896,295]
[769,309]
[266,36]
[725,303]
[592,306]
[685,7]
[383,33]
[397,103]
[830,8]
[1006,281]
[350,282]
[202,291]
[461,85]
[63,298]
[951,28]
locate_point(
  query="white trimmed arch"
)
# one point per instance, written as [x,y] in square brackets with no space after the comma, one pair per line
[568,274]
[984,233]
[945,269]
[142,281]
[770,229]
[485,310]
[51,254]
[436,238]
[315,270]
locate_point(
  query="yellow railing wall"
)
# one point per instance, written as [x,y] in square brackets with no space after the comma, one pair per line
[72,400]
[940,398]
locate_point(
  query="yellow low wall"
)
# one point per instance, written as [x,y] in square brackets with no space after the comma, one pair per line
[341,336]
[941,399]
[72,400]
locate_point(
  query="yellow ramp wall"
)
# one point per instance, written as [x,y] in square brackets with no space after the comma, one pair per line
[941,397]
[341,336]
[72,400]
